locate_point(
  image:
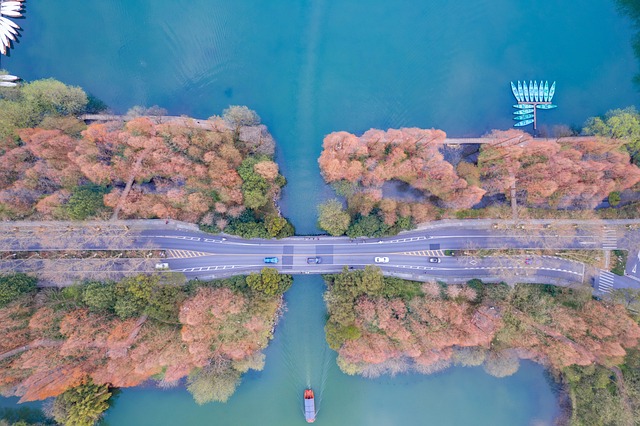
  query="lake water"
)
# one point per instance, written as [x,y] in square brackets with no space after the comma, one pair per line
[310,67]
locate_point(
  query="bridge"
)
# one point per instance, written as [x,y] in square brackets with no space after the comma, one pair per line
[204,256]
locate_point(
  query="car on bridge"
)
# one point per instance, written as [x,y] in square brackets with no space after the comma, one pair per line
[381,260]
[313,260]
[270,260]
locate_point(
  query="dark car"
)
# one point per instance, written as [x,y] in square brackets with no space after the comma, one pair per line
[313,260]
[270,260]
[434,260]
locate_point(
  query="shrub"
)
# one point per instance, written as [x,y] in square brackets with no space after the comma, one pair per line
[614,198]
[15,285]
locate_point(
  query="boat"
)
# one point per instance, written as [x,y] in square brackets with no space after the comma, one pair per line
[309,406]
[520,92]
[541,91]
[7,84]
[526,91]
[535,91]
[523,123]
[552,91]
[522,106]
[523,117]
[546,106]
[524,111]
[514,89]
[7,77]
[546,91]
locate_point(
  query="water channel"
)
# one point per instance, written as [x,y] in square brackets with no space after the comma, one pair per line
[309,67]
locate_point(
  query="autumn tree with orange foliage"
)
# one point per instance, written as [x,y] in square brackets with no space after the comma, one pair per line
[410,155]
[61,342]
[576,174]
[381,327]
[145,170]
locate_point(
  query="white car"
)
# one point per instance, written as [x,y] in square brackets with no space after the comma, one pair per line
[381,260]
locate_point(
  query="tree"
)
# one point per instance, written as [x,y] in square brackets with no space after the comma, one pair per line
[51,97]
[238,116]
[332,218]
[15,285]
[269,282]
[614,198]
[99,296]
[337,334]
[618,124]
[254,186]
[164,303]
[274,225]
[85,201]
[213,384]
[82,405]
[133,295]
[368,226]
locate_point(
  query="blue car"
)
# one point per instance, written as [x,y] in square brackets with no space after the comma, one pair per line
[270,260]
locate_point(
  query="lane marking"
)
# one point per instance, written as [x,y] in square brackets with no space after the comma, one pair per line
[185,254]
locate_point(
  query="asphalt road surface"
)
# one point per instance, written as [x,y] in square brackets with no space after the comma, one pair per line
[197,254]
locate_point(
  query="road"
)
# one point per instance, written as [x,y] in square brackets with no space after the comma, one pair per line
[205,256]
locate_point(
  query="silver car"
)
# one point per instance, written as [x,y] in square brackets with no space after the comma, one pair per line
[381,260]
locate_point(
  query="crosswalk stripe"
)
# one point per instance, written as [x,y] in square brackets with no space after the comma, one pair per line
[606,281]
[183,254]
[430,253]
[610,239]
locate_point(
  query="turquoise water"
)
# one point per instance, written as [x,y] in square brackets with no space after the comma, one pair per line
[298,356]
[310,67]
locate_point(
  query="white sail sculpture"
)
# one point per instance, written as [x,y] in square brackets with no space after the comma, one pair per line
[8,28]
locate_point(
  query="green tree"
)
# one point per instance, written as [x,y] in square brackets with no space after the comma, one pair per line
[278,227]
[621,124]
[596,400]
[269,281]
[29,104]
[254,187]
[51,97]
[99,296]
[332,218]
[82,405]
[13,286]
[85,201]
[247,229]
[337,334]
[614,198]
[368,226]
[274,225]
[133,295]
[164,303]
[404,289]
